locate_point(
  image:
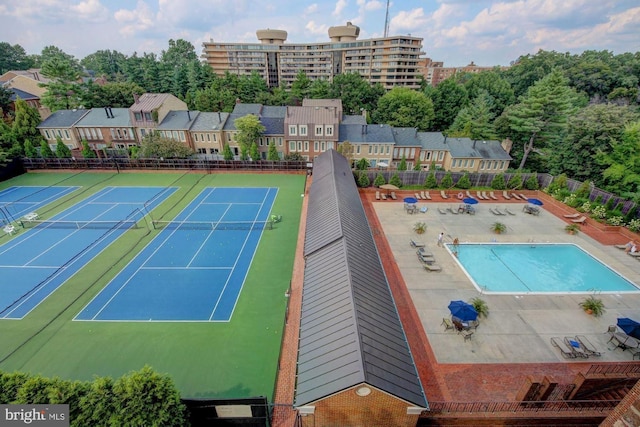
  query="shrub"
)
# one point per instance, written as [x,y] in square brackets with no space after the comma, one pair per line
[586,207]
[420,227]
[615,220]
[559,182]
[584,190]
[464,182]
[447,181]
[599,212]
[403,164]
[363,164]
[417,166]
[532,182]
[430,181]
[634,225]
[363,180]
[480,306]
[515,182]
[379,180]
[498,182]
[609,204]
[395,180]
[594,305]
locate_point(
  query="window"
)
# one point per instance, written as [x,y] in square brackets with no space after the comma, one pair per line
[175,135]
[441,155]
[306,146]
[329,131]
[466,162]
[182,136]
[495,164]
[357,149]
[147,116]
[303,130]
[299,145]
[292,130]
[481,164]
[138,116]
[330,145]
[195,137]
[93,133]
[315,146]
[370,149]
[209,137]
[280,142]
[375,149]
[143,132]
[472,162]
[318,130]
[428,155]
[292,146]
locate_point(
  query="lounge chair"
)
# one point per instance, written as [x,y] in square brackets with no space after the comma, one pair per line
[442,211]
[506,195]
[443,194]
[508,211]
[566,352]
[633,254]
[589,348]
[377,195]
[393,195]
[417,196]
[495,212]
[424,197]
[575,347]
[515,196]
[484,195]
[580,220]
[469,194]
[621,246]
[423,250]
[523,197]
[424,209]
[574,215]
[453,210]
[480,196]
[447,324]
[432,267]
[383,196]
[427,196]
[492,196]
[9,229]
[416,244]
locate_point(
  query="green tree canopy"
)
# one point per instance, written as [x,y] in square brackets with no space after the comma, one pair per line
[273,152]
[155,146]
[448,98]
[622,175]
[403,107]
[62,151]
[249,130]
[13,58]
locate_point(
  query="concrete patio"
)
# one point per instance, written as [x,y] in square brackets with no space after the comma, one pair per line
[519,327]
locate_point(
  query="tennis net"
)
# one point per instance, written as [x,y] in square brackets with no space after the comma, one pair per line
[80,225]
[213,225]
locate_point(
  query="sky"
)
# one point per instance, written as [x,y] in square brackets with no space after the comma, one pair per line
[487,32]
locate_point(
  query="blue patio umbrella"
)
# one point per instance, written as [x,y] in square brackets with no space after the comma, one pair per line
[470,201]
[629,326]
[410,200]
[463,311]
[535,202]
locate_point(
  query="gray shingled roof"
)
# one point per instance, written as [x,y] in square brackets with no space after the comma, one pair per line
[357,119]
[406,137]
[17,93]
[178,119]
[62,119]
[350,330]
[369,134]
[273,125]
[244,109]
[97,117]
[468,148]
[208,121]
[432,141]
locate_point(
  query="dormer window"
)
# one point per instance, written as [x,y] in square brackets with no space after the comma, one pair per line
[147,116]
[138,116]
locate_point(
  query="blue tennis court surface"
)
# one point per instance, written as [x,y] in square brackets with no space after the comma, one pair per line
[195,268]
[38,261]
[15,202]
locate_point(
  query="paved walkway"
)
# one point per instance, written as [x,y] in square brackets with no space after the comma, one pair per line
[514,341]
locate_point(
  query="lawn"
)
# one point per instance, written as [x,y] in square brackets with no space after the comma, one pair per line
[230,360]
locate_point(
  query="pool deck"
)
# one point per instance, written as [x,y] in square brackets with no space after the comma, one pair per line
[513,342]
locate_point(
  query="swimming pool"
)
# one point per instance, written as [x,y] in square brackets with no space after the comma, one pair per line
[538,268]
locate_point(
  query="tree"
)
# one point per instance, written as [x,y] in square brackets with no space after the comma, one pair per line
[62,151]
[379,180]
[464,182]
[495,86]
[300,87]
[362,164]
[403,164]
[430,181]
[273,152]
[447,181]
[418,165]
[532,182]
[29,149]
[355,92]
[5,101]
[45,150]
[145,397]
[498,182]
[25,122]
[395,180]
[346,149]
[87,152]
[594,129]
[475,121]
[543,112]
[363,180]
[13,58]
[622,175]
[403,107]
[249,130]
[448,99]
[155,146]
[254,152]
[105,63]
[515,181]
[227,154]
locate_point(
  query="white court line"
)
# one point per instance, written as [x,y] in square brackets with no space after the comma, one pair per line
[244,244]
[143,263]
[207,238]
[185,268]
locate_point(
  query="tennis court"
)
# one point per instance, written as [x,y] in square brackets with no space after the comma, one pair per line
[15,202]
[194,270]
[38,261]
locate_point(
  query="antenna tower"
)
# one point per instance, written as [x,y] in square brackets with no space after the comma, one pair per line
[386,21]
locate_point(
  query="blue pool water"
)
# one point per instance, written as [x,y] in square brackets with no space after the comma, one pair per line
[538,268]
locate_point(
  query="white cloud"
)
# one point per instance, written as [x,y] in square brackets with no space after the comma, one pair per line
[90,10]
[340,6]
[312,8]
[316,29]
[137,20]
[411,20]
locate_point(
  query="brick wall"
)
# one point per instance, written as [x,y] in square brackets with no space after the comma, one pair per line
[627,413]
[349,409]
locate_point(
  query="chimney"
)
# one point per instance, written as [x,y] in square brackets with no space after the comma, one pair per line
[106,110]
[136,98]
[219,117]
[474,144]
[445,139]
[111,112]
[362,130]
[238,101]
[188,115]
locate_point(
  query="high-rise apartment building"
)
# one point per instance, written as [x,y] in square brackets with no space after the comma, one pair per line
[390,61]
